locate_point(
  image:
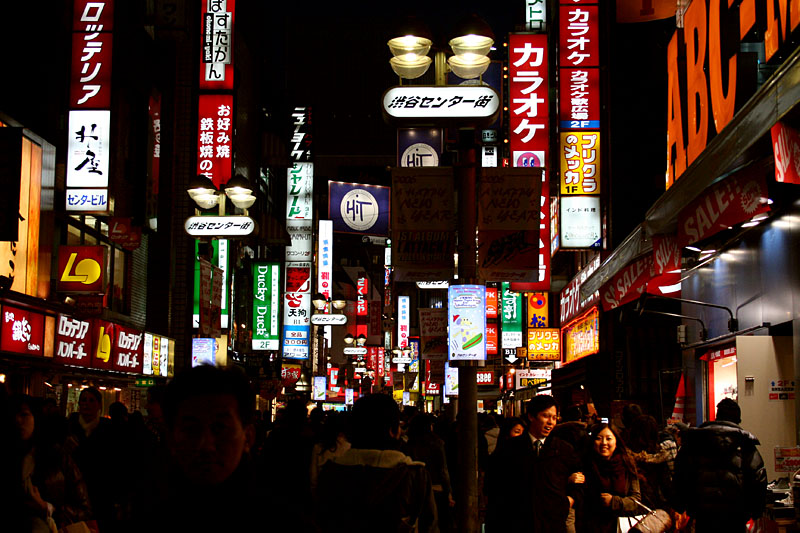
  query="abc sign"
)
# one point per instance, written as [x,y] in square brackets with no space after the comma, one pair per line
[81,269]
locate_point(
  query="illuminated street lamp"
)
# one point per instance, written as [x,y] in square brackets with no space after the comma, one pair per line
[203,192]
[240,192]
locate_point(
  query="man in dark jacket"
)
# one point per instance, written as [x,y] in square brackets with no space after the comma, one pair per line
[719,475]
[528,480]
[373,486]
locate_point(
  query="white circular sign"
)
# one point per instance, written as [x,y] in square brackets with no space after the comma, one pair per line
[419,155]
[359,210]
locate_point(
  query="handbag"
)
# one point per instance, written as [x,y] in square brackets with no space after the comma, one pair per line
[625,524]
[655,521]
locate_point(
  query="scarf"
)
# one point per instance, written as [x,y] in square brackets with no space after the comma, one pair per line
[88,427]
[611,474]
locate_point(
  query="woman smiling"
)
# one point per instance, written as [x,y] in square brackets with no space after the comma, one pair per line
[612,484]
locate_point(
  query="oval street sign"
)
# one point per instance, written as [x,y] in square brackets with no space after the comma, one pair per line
[354,350]
[319,319]
[477,104]
[215,226]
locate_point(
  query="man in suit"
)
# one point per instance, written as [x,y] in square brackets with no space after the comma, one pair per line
[528,482]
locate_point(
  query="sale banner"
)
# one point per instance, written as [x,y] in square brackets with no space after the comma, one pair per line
[509,208]
[628,284]
[666,254]
[423,223]
[786,146]
[723,205]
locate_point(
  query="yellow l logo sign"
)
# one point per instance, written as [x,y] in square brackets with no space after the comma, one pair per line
[87,271]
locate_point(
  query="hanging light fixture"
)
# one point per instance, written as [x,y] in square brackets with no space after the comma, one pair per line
[410,49]
[203,192]
[471,45]
[240,192]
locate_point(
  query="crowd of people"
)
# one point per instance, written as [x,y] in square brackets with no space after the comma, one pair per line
[204,460]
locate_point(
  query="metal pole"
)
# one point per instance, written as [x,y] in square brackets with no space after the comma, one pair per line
[467,421]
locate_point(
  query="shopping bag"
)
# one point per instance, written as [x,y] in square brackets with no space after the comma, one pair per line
[626,523]
[654,521]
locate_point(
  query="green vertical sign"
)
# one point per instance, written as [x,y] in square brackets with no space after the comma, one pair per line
[266,305]
[219,258]
[512,318]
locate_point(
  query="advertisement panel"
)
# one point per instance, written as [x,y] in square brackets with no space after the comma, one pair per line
[450,380]
[491,302]
[73,341]
[403,320]
[538,312]
[300,192]
[419,147]
[128,347]
[509,210]
[581,336]
[512,318]
[88,148]
[358,208]
[580,162]
[491,339]
[266,305]
[466,306]
[581,222]
[90,85]
[423,223]
[301,142]
[571,302]
[531,377]
[214,137]
[320,388]
[22,331]
[433,333]
[544,344]
[204,351]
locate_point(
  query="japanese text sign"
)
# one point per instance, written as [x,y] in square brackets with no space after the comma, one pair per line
[528,93]
[441,102]
[362,290]
[80,269]
[88,149]
[301,136]
[266,305]
[581,223]
[423,223]
[216,68]
[509,228]
[357,208]
[433,333]
[579,36]
[325,258]
[91,54]
[297,310]
[300,191]
[491,302]
[90,200]
[512,318]
[580,162]
[73,341]
[537,310]
[570,301]
[128,350]
[579,98]
[526,378]
[466,322]
[544,344]
[403,320]
[21,331]
[214,137]
[214,226]
[582,336]
[301,234]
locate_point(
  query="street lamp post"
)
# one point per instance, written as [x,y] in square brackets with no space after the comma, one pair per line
[472,42]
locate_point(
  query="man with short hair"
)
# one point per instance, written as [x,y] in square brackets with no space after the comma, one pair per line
[720,480]
[528,483]
[373,486]
[209,484]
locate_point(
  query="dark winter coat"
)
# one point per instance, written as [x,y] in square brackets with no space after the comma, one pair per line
[375,490]
[719,473]
[529,493]
[597,517]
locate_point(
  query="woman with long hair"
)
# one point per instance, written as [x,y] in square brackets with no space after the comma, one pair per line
[612,485]
[54,492]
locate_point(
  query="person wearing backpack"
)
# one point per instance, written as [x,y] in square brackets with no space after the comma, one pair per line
[373,486]
[720,480]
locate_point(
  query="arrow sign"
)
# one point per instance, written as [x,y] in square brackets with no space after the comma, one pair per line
[510,354]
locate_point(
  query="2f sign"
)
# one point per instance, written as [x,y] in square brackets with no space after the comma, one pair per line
[81,269]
